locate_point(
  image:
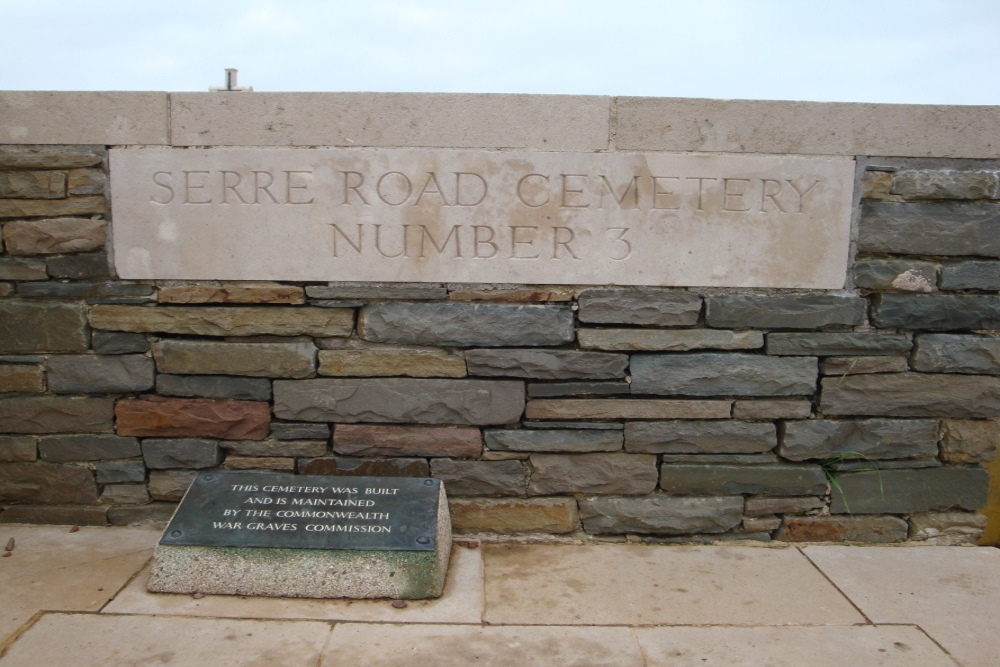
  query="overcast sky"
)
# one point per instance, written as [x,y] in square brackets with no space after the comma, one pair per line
[906,51]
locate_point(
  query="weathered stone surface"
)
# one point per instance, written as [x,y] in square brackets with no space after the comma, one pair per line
[117,472]
[93,292]
[86,265]
[48,157]
[829,344]
[937,312]
[111,342]
[905,275]
[33,184]
[930,228]
[300,431]
[765,505]
[861,365]
[61,448]
[86,182]
[125,494]
[400,400]
[42,327]
[948,353]
[214,386]
[153,515]
[611,408]
[193,418]
[968,441]
[225,321]
[916,184]
[867,529]
[21,379]
[753,524]
[971,275]
[241,292]
[661,515]
[166,453]
[276,463]
[608,388]
[875,185]
[54,236]
[376,440]
[738,459]
[481,478]
[860,465]
[722,374]
[6,289]
[621,474]
[59,515]
[46,483]
[669,340]
[605,426]
[48,208]
[700,437]
[18,448]
[96,374]
[390,362]
[912,395]
[546,364]
[551,440]
[869,438]
[200,357]
[466,324]
[339,465]
[778,408]
[378,291]
[170,484]
[908,491]
[776,480]
[498,293]
[798,311]
[285,448]
[55,414]
[18,268]
[947,528]
[513,516]
[648,307]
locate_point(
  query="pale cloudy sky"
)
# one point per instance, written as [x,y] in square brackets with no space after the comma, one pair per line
[907,51]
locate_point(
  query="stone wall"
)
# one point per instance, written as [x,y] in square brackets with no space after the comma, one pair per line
[671,414]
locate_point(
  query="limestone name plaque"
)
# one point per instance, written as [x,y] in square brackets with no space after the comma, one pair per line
[418,215]
[247,533]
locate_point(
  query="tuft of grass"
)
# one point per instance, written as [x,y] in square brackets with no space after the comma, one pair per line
[832,465]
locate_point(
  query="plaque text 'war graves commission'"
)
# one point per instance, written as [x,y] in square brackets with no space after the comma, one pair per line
[413,215]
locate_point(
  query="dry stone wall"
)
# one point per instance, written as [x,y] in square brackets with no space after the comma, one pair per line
[671,414]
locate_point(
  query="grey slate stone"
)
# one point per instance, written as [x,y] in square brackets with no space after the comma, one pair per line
[22,268]
[552,440]
[915,184]
[85,290]
[198,357]
[912,395]
[936,312]
[776,480]
[872,438]
[95,374]
[648,307]
[939,228]
[116,472]
[722,374]
[59,448]
[376,291]
[663,515]
[544,389]
[84,265]
[768,505]
[546,364]
[215,386]
[602,426]
[948,353]
[669,340]
[111,342]
[480,478]
[700,437]
[971,275]
[907,275]
[858,365]
[738,459]
[908,491]
[794,311]
[616,474]
[165,453]
[837,344]
[42,327]
[300,431]
[400,400]
[466,324]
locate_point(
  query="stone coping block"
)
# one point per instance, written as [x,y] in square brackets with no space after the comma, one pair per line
[104,118]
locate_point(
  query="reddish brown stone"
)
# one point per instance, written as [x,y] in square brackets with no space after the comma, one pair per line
[193,417]
[368,440]
[336,465]
[46,483]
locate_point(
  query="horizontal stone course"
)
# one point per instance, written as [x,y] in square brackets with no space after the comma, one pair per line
[546,364]
[583,388]
[668,340]
[214,386]
[377,292]
[117,472]
[948,353]
[22,268]
[774,408]
[18,448]
[379,440]
[33,184]
[50,208]
[722,374]
[99,374]
[83,266]
[936,312]
[969,441]
[225,321]
[200,357]
[905,275]
[863,439]
[700,437]
[42,327]
[569,408]
[553,440]
[511,516]
[616,474]
[381,467]
[170,484]
[275,463]
[912,395]
[390,362]
[46,483]
[766,505]
[662,515]
[970,275]
[868,529]
[939,228]
[907,491]
[862,365]
[237,292]
[777,480]
[481,478]
[646,307]
[166,453]
[21,379]
[51,236]
[300,431]
[55,414]
[193,418]
[112,342]
[798,311]
[837,344]
[275,448]
[93,292]
[62,448]
[917,184]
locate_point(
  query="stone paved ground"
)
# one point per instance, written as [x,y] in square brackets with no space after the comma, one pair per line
[79,598]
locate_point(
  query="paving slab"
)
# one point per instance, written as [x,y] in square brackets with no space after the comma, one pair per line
[461,602]
[953,593]
[816,646]
[51,568]
[104,639]
[627,584]
[367,644]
